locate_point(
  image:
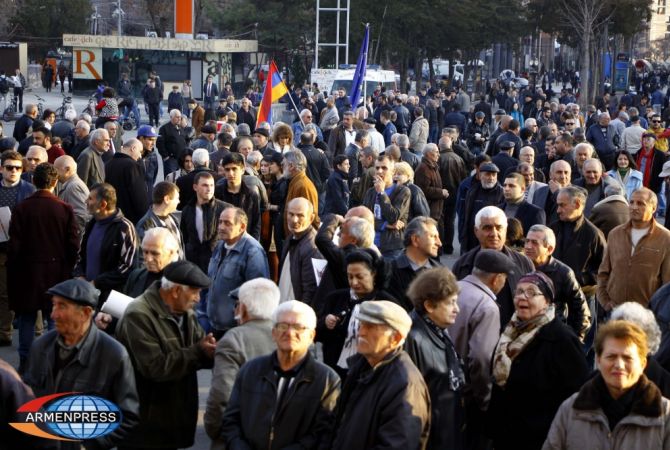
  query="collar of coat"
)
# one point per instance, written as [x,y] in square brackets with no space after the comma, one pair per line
[647,403]
[363,372]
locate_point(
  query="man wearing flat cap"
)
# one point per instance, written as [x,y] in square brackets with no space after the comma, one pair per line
[167,347]
[476,331]
[77,357]
[504,160]
[483,192]
[384,400]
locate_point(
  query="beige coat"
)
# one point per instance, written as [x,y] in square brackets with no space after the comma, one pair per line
[581,424]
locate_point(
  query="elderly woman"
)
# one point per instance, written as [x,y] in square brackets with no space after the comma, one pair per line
[537,364]
[367,273]
[404,175]
[619,407]
[433,293]
[643,317]
[626,173]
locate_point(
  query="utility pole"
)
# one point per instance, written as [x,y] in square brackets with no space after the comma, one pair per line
[118,24]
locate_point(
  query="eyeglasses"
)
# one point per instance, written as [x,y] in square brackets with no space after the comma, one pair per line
[283,327]
[527,293]
[12,168]
[655,121]
[569,123]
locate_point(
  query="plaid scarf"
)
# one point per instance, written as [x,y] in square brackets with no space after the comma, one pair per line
[515,338]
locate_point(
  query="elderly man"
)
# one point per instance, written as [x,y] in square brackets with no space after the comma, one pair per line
[285,398]
[167,348]
[299,126]
[42,250]
[76,356]
[569,299]
[81,139]
[390,204]
[174,141]
[579,243]
[35,156]
[583,152]
[294,167]
[545,196]
[428,178]
[532,185]
[422,246]
[90,167]
[384,398]
[527,155]
[159,248]
[475,332]
[486,192]
[603,135]
[72,190]
[258,298]
[205,139]
[237,258]
[127,176]
[109,246]
[115,142]
[626,275]
[611,211]
[297,279]
[490,228]
[594,182]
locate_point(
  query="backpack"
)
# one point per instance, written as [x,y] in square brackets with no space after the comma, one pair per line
[4,85]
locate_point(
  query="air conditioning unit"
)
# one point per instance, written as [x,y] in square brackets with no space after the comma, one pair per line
[202,36]
[151,34]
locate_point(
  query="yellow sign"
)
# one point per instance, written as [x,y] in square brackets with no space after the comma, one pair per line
[166,44]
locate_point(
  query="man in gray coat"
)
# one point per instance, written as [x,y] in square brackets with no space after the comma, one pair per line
[90,167]
[72,190]
[258,298]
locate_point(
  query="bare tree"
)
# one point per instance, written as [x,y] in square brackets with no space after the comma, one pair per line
[585,17]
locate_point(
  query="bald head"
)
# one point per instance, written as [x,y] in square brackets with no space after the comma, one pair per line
[36,155]
[299,216]
[66,167]
[362,212]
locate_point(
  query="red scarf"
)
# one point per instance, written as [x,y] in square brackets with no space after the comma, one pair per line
[646,175]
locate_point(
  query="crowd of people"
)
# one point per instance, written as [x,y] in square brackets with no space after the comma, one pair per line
[303,263]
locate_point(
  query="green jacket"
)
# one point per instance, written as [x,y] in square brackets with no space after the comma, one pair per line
[166,364]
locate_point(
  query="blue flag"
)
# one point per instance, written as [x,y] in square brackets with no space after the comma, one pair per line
[361,65]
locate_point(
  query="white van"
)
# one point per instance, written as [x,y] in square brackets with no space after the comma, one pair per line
[441,68]
[345,77]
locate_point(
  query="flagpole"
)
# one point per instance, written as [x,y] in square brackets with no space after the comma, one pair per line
[365,62]
[296,109]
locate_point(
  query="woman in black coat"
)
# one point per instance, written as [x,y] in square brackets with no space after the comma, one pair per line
[337,187]
[537,364]
[434,294]
[368,274]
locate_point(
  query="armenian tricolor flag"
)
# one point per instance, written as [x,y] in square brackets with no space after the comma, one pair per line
[274,90]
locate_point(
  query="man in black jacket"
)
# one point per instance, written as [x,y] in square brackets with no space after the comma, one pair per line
[173,142]
[126,175]
[485,192]
[234,191]
[515,206]
[422,246]
[384,398]
[318,168]
[285,399]
[569,300]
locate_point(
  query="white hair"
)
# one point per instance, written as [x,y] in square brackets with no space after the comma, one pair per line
[298,307]
[490,212]
[169,241]
[254,157]
[549,236]
[84,125]
[70,115]
[167,284]
[305,111]
[402,141]
[260,296]
[200,157]
[98,134]
[44,157]
[174,112]
[86,117]
[529,121]
[587,146]
[642,317]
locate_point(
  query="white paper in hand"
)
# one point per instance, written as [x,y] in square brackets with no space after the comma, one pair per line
[116,304]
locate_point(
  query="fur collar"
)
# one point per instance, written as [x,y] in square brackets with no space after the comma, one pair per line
[647,403]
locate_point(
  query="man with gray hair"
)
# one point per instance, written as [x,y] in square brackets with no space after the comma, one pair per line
[167,348]
[90,166]
[299,126]
[422,246]
[285,398]
[392,406]
[569,300]
[405,154]
[35,156]
[294,167]
[490,227]
[80,139]
[611,211]
[72,190]
[604,137]
[593,182]
[353,152]
[257,299]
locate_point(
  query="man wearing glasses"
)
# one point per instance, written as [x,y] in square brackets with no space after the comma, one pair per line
[570,123]
[13,190]
[298,127]
[285,399]
[661,133]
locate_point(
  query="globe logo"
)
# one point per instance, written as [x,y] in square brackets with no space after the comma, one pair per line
[88,417]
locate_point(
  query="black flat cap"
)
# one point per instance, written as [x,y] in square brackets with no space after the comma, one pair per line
[370,120]
[186,273]
[493,261]
[79,291]
[500,112]
[506,145]
[208,129]
[262,131]
[274,157]
[489,167]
